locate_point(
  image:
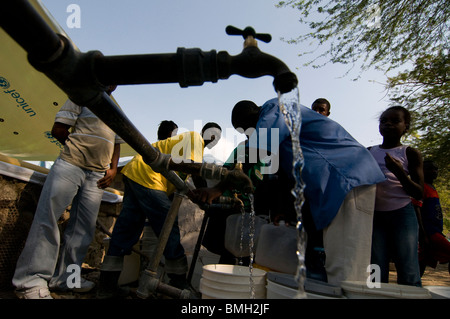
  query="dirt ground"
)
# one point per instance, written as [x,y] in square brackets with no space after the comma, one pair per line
[432,277]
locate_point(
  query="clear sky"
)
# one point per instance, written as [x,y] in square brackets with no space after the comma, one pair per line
[161,26]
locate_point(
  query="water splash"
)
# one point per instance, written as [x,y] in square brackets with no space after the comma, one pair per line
[289,104]
[251,241]
[241,243]
[252,244]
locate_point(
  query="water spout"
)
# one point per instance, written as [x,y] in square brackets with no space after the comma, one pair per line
[252,63]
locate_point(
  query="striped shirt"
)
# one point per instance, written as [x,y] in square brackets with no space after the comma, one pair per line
[90,144]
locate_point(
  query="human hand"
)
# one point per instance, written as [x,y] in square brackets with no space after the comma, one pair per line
[204,195]
[106,180]
[393,164]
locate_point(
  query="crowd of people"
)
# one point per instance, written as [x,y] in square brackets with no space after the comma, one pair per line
[363,206]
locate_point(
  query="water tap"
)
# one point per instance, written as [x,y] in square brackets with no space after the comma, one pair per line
[193,67]
[236,178]
[224,202]
[253,63]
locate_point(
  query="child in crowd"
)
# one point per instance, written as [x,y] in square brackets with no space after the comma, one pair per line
[395,226]
[435,247]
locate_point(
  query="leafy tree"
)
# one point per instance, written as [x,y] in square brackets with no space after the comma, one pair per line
[425,91]
[383,34]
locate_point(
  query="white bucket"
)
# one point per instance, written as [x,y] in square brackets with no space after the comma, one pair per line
[439,292]
[284,286]
[277,291]
[231,282]
[360,290]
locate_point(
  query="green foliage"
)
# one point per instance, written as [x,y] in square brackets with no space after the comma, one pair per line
[382,34]
[444,198]
[425,91]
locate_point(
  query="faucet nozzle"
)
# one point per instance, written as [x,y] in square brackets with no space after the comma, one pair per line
[252,63]
[238,179]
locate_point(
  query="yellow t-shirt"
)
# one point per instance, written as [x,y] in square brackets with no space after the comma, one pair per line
[186,146]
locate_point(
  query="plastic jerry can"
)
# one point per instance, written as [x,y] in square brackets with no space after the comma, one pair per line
[238,232]
[277,248]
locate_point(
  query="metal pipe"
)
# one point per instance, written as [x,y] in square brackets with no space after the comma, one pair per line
[122,69]
[165,232]
[149,284]
[229,178]
[114,117]
[198,246]
[21,21]
[84,75]
[188,67]
[149,281]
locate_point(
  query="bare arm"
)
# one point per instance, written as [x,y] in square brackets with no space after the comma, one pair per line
[60,131]
[413,184]
[206,195]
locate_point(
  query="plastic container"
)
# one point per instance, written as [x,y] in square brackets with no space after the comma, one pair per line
[277,291]
[214,290]
[360,290]
[232,282]
[277,247]
[131,266]
[235,229]
[284,286]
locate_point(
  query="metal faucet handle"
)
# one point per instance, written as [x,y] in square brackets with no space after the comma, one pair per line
[248,31]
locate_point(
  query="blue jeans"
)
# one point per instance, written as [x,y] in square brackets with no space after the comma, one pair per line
[395,236]
[140,202]
[38,264]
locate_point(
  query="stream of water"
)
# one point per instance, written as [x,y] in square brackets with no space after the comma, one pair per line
[289,104]
[251,243]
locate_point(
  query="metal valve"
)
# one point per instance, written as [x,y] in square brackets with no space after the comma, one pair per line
[248,31]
